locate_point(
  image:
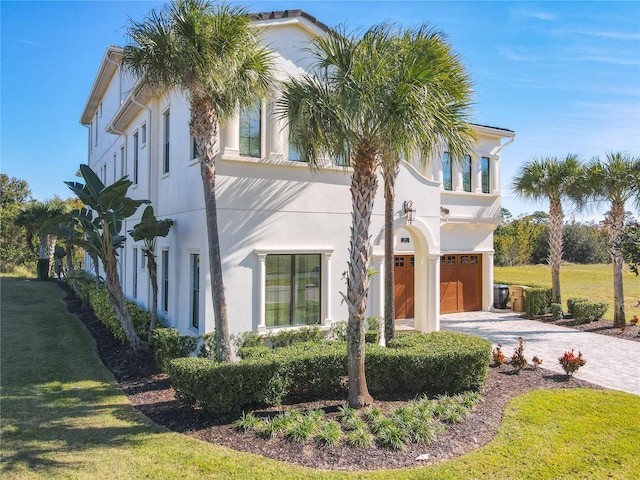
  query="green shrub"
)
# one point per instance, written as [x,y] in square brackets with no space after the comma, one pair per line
[537,301]
[571,302]
[434,363]
[587,312]
[556,311]
[227,387]
[288,337]
[371,336]
[247,340]
[208,346]
[168,344]
[338,331]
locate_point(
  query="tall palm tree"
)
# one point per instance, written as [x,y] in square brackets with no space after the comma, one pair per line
[433,78]
[553,179]
[147,231]
[210,53]
[615,180]
[357,107]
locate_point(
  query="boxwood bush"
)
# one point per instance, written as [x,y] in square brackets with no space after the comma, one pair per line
[587,312]
[436,363]
[537,301]
[168,344]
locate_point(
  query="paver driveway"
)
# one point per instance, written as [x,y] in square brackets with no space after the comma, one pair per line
[611,362]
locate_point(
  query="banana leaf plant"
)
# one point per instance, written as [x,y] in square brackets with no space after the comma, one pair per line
[147,231]
[101,221]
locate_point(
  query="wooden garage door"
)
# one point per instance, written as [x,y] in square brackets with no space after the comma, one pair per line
[460,283]
[403,285]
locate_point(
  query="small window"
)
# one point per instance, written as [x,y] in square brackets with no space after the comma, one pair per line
[164,264]
[143,135]
[195,290]
[451,259]
[447,174]
[96,128]
[135,272]
[404,239]
[250,131]
[115,162]
[413,261]
[474,259]
[486,179]
[399,262]
[136,157]
[100,110]
[123,165]
[143,259]
[166,150]
[464,260]
[466,173]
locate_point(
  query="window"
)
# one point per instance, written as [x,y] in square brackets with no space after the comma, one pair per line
[123,166]
[399,262]
[194,148]
[292,290]
[250,126]
[195,290]
[466,173]
[135,273]
[447,177]
[294,154]
[96,128]
[164,264]
[115,162]
[90,137]
[143,259]
[143,135]
[136,154]
[165,155]
[486,182]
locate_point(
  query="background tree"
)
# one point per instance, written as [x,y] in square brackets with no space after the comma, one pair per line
[210,53]
[551,179]
[629,245]
[64,227]
[14,250]
[429,106]
[101,228]
[585,243]
[147,231]
[358,108]
[614,180]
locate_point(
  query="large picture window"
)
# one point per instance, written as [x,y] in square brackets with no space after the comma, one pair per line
[292,290]
[250,125]
[447,174]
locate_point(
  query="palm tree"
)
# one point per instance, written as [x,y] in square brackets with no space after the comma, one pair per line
[210,53]
[357,107]
[147,231]
[553,179]
[32,217]
[615,180]
[434,82]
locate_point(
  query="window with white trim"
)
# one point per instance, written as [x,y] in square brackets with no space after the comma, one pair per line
[195,290]
[466,173]
[250,130]
[166,123]
[292,289]
[164,265]
[485,167]
[447,173]
[134,280]
[123,165]
[136,158]
[143,135]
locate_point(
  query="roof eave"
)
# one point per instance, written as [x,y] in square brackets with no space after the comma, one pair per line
[109,65]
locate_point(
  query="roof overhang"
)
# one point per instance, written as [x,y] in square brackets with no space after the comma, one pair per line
[109,65]
[130,107]
[493,131]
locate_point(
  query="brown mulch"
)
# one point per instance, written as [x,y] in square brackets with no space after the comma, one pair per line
[602,327]
[150,392]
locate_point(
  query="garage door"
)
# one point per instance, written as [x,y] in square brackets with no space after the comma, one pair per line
[460,283]
[403,272]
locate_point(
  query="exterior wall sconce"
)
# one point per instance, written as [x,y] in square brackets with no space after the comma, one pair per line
[409,210]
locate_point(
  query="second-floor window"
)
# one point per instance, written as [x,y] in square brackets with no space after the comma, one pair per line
[165,156]
[136,156]
[123,165]
[250,126]
[466,173]
[486,172]
[447,173]
[135,273]
[164,264]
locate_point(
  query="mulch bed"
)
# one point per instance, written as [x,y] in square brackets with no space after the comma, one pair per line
[150,392]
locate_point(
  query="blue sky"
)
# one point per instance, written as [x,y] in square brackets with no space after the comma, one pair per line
[565,76]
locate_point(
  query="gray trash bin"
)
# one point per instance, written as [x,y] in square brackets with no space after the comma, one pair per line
[500,295]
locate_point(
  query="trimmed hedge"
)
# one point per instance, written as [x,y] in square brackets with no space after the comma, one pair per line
[436,363]
[571,302]
[587,312]
[168,345]
[537,301]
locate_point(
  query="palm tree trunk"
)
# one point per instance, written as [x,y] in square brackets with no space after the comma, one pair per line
[51,252]
[153,276]
[616,223]
[364,184]
[390,176]
[556,218]
[204,128]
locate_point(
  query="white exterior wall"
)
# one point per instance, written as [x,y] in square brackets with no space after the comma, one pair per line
[272,205]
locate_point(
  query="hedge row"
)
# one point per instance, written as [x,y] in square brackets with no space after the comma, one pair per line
[537,301]
[436,363]
[584,311]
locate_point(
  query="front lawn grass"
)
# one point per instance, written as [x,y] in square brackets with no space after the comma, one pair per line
[594,282]
[63,416]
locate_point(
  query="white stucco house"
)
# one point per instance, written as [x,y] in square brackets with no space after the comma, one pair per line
[284,229]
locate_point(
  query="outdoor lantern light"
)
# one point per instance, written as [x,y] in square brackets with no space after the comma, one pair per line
[409,211]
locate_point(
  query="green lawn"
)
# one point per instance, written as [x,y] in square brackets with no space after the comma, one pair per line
[63,416]
[594,282]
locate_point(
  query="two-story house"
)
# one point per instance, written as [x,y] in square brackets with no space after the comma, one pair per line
[284,229]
